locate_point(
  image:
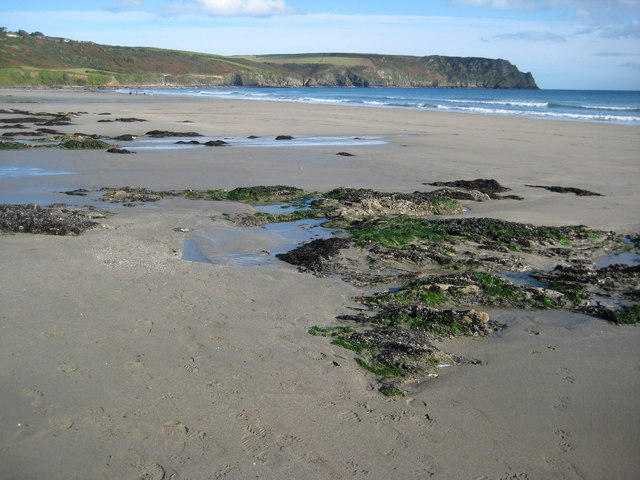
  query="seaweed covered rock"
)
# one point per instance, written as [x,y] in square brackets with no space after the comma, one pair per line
[614,280]
[128,195]
[49,220]
[80,142]
[351,204]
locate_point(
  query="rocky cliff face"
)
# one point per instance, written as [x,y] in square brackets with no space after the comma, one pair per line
[431,71]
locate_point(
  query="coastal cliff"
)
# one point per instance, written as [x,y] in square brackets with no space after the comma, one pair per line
[38,60]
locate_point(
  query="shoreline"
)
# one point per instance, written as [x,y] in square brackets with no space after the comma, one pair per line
[579,116]
[120,359]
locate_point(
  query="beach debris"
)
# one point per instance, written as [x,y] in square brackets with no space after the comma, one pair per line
[557,189]
[165,133]
[345,154]
[48,220]
[284,137]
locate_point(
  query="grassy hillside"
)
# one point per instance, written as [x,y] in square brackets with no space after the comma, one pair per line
[35,59]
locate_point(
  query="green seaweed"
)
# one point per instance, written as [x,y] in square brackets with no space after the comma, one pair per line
[397,232]
[13,145]
[379,369]
[84,144]
[495,286]
[344,342]
[252,195]
[627,315]
[391,391]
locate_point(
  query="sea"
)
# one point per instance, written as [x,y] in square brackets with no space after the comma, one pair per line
[599,106]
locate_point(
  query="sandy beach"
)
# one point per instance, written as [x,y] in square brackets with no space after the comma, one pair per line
[121,360]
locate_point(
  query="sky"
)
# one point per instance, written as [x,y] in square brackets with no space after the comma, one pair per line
[565,44]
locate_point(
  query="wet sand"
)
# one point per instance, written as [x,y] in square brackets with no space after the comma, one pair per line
[119,359]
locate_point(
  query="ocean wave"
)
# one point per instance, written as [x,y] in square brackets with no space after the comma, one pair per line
[548,114]
[576,106]
[509,103]
[612,108]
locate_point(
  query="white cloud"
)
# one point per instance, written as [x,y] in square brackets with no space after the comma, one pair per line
[532,36]
[257,8]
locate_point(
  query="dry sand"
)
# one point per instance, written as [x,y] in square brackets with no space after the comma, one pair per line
[120,360]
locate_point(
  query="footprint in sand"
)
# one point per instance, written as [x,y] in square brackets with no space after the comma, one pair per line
[349,416]
[563,403]
[423,421]
[150,471]
[254,442]
[143,326]
[287,440]
[564,470]
[137,368]
[563,437]
[36,396]
[67,367]
[174,428]
[61,422]
[565,374]
[224,471]
[316,355]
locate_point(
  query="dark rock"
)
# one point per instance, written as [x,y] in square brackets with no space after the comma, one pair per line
[284,137]
[311,256]
[89,135]
[345,154]
[129,119]
[21,120]
[119,150]
[216,143]
[252,137]
[21,134]
[49,220]
[80,192]
[487,186]
[125,138]
[165,134]
[578,191]
[48,131]
[190,142]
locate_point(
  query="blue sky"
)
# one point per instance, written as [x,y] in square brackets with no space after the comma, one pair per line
[581,44]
